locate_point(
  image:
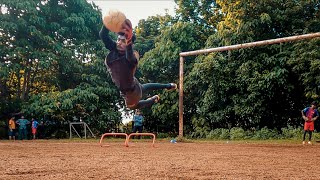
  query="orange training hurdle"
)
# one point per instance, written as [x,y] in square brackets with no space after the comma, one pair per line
[114,134]
[141,134]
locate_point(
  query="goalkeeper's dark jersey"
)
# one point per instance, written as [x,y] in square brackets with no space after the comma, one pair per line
[122,66]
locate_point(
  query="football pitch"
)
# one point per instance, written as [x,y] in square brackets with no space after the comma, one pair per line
[67,159]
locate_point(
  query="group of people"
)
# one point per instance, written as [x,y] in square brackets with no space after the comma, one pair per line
[22,128]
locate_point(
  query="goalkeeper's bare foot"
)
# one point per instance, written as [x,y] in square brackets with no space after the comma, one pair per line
[156,98]
[173,87]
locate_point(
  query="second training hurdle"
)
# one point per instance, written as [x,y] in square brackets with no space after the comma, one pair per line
[141,134]
[114,134]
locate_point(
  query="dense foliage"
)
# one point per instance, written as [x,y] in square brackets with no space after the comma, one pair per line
[52,63]
[262,87]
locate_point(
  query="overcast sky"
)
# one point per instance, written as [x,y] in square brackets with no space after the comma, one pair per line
[137,10]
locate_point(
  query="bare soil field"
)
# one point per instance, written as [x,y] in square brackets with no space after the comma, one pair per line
[63,159]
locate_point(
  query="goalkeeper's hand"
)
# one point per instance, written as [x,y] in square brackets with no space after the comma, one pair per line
[126,29]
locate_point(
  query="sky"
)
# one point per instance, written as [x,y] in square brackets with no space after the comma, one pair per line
[136,10]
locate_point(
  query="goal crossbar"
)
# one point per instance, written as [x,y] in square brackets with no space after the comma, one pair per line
[251,44]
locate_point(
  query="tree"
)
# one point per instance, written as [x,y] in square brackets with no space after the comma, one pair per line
[204,14]
[52,61]
[249,87]
[149,29]
[161,64]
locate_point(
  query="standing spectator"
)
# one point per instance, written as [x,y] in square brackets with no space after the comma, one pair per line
[34,126]
[22,127]
[41,130]
[137,122]
[309,115]
[12,129]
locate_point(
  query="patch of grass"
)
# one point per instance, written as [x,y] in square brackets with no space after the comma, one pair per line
[248,141]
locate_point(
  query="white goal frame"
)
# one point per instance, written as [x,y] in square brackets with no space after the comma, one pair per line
[85,126]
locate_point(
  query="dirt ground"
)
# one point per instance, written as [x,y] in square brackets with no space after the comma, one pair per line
[63,159]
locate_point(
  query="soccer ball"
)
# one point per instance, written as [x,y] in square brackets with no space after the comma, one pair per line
[114,20]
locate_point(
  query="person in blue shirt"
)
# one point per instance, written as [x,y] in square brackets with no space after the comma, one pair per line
[34,126]
[22,122]
[137,122]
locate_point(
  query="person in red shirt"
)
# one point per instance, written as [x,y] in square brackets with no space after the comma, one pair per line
[309,115]
[34,126]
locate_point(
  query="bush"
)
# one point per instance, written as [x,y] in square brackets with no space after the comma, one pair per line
[237,133]
[201,127]
[199,133]
[60,134]
[162,135]
[315,136]
[3,133]
[214,134]
[292,133]
[219,134]
[266,133]
[184,140]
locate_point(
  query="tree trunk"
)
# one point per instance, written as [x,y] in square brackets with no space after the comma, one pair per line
[30,83]
[26,75]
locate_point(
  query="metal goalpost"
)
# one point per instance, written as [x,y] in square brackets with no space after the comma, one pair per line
[85,127]
[227,48]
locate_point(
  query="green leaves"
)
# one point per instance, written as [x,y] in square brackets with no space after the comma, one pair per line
[51,53]
[52,60]
[252,87]
[304,62]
